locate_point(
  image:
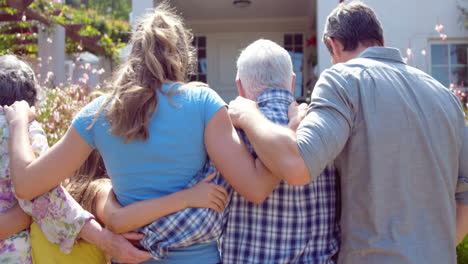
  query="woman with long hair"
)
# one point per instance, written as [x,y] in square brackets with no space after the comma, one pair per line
[153,131]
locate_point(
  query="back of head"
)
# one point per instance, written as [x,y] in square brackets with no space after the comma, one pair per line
[88,181]
[353,23]
[162,52]
[162,48]
[264,65]
[17,81]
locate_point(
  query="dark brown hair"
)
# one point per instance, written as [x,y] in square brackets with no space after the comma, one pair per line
[17,81]
[353,23]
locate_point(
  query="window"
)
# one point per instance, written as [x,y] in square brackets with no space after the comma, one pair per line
[294,44]
[449,63]
[199,42]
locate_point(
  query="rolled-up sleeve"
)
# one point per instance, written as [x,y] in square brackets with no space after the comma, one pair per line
[462,185]
[324,132]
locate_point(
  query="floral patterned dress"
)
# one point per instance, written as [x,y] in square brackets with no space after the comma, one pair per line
[56,213]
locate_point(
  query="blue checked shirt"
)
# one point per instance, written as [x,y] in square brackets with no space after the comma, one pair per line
[294,225]
[189,226]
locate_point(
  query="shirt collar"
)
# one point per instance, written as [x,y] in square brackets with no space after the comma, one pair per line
[275,94]
[382,53]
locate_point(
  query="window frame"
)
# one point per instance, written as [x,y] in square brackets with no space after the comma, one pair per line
[303,47]
[196,77]
[449,65]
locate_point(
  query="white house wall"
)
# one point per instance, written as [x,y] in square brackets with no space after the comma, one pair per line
[252,25]
[226,38]
[406,24]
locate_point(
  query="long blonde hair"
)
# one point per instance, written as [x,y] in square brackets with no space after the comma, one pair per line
[162,52]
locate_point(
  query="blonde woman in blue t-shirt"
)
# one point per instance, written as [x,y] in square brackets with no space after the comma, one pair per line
[153,131]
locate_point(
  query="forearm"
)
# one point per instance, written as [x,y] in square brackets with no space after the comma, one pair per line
[276,146]
[13,221]
[462,222]
[264,184]
[21,155]
[61,220]
[124,219]
[95,234]
[33,177]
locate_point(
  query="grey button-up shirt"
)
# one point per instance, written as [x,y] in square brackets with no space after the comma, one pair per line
[400,145]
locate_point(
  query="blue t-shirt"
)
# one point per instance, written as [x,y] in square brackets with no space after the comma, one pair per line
[167,161]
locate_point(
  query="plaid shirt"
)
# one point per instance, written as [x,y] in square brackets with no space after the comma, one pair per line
[294,225]
[189,226]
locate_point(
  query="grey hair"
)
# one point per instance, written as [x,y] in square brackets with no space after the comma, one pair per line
[353,23]
[17,81]
[264,65]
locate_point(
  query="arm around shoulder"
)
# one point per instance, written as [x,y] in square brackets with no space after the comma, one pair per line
[234,161]
[33,177]
[275,145]
[120,219]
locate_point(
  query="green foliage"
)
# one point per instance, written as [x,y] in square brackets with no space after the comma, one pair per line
[112,34]
[116,9]
[9,42]
[462,252]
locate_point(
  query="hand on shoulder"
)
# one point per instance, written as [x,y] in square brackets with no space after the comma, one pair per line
[296,113]
[240,110]
[20,111]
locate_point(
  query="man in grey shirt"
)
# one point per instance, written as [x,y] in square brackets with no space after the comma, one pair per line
[399,142]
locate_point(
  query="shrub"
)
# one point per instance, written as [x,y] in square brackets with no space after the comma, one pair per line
[462,252]
[58,107]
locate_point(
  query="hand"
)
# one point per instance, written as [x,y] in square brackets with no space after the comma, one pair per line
[296,113]
[19,111]
[207,195]
[134,238]
[239,109]
[115,246]
[123,250]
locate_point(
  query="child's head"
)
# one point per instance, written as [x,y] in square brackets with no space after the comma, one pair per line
[17,81]
[88,181]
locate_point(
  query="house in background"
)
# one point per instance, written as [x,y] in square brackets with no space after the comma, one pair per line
[224,27]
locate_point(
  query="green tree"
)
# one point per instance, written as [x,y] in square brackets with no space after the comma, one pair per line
[117,9]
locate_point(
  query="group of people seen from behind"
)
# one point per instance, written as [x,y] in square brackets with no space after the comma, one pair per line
[160,170]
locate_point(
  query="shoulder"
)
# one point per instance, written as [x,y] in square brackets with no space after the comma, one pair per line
[201,94]
[91,109]
[95,104]
[86,116]
[199,89]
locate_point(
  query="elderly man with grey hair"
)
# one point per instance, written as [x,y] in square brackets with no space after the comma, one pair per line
[295,224]
[398,140]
